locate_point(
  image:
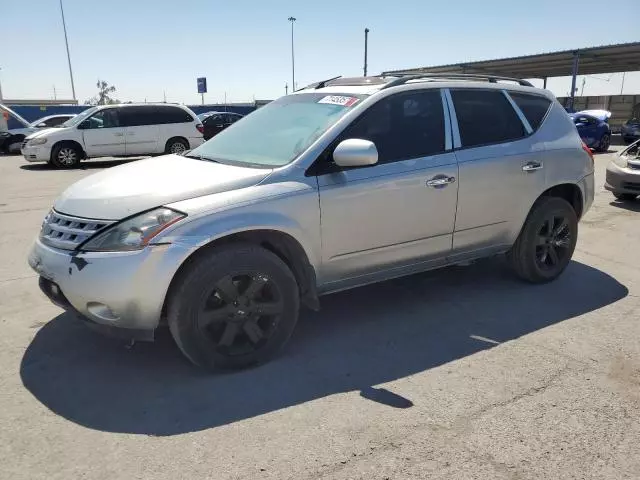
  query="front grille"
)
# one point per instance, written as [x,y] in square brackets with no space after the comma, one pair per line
[631,186]
[66,232]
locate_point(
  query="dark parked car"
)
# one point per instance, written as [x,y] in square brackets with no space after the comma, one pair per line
[631,130]
[593,127]
[215,122]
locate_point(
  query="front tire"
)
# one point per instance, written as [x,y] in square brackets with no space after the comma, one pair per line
[624,197]
[66,156]
[236,306]
[546,243]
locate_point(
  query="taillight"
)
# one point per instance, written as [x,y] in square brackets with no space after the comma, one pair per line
[588,150]
[200,128]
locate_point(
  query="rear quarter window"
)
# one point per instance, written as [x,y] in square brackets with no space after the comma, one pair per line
[169,114]
[534,107]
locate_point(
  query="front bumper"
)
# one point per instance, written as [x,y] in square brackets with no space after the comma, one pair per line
[38,153]
[112,290]
[622,179]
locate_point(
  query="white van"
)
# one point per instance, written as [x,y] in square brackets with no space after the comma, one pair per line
[115,131]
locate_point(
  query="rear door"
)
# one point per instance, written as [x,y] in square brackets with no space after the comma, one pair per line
[141,128]
[501,170]
[213,125]
[103,134]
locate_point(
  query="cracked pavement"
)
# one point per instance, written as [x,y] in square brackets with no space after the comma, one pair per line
[464,373]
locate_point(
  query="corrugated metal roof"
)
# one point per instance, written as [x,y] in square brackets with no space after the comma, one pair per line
[623,57]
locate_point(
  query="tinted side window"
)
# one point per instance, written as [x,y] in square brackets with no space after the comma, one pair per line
[136,116]
[533,107]
[213,120]
[403,126]
[55,121]
[169,114]
[485,117]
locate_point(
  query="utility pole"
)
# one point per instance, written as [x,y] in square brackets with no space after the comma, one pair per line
[293,59]
[366,42]
[55,96]
[66,42]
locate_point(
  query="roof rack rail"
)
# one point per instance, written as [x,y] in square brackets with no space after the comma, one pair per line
[455,76]
[317,85]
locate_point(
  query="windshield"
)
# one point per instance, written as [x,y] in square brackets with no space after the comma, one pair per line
[277,133]
[72,122]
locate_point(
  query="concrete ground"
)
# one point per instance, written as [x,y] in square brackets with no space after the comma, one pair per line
[464,373]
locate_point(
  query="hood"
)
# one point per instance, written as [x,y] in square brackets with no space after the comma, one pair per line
[119,192]
[603,115]
[14,115]
[40,132]
[22,131]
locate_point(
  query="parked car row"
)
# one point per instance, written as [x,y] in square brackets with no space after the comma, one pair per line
[116,131]
[343,183]
[11,140]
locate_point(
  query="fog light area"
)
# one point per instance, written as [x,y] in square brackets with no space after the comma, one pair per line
[102,311]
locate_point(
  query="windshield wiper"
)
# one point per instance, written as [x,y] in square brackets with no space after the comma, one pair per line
[202,157]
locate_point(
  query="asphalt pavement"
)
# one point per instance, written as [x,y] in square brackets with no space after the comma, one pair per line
[462,373]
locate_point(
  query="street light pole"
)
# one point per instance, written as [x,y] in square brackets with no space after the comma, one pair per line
[366,41]
[293,59]
[66,42]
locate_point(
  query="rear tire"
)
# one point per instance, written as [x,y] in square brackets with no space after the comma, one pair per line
[176,146]
[235,307]
[546,243]
[66,156]
[605,143]
[624,197]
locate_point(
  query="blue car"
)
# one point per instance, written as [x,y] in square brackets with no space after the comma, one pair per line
[593,127]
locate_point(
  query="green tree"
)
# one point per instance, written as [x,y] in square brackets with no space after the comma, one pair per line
[104,97]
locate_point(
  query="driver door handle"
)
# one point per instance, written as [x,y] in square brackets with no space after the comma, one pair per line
[532,166]
[440,181]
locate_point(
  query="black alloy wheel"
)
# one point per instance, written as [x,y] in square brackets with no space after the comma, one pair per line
[240,313]
[553,242]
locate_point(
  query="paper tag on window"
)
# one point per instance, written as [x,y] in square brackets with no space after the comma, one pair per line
[339,100]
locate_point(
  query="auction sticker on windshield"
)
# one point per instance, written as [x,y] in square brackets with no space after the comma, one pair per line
[339,100]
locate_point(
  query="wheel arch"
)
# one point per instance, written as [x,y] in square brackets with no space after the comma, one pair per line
[176,137]
[280,243]
[75,143]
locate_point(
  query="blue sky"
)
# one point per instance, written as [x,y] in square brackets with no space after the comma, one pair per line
[148,47]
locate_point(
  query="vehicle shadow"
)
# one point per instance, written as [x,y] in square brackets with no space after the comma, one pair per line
[361,338]
[631,205]
[90,165]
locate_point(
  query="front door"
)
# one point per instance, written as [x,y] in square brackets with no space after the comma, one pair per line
[399,212]
[103,136]
[501,170]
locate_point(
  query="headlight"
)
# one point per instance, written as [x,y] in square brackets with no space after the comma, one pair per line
[38,141]
[133,234]
[619,160]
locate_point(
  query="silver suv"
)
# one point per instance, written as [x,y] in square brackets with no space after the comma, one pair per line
[344,183]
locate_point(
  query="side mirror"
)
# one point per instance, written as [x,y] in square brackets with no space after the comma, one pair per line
[355,152]
[84,125]
[41,125]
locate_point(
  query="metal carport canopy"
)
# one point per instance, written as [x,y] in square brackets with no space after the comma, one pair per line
[624,57]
